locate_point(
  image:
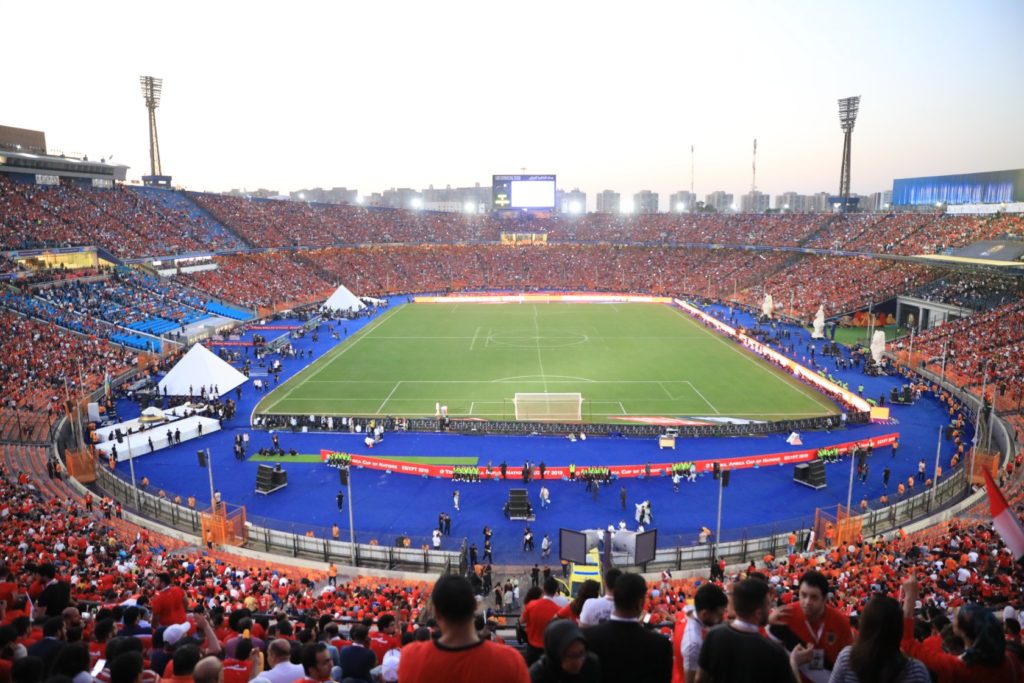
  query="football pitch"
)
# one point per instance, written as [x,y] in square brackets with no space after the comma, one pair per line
[627,360]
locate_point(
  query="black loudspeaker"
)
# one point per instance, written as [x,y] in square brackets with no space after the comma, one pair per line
[718,471]
[202,458]
[725,478]
[343,476]
[949,433]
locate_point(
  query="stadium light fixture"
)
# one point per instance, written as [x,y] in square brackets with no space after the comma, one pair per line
[416,202]
[680,206]
[575,207]
[626,206]
[734,207]
[469,207]
[359,199]
[302,195]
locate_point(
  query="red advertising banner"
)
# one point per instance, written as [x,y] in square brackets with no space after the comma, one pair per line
[625,471]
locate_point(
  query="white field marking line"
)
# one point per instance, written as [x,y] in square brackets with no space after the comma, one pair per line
[540,360]
[732,346]
[667,393]
[520,378]
[710,404]
[473,343]
[393,390]
[622,408]
[364,333]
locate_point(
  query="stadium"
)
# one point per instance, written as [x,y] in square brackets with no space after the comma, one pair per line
[309,412]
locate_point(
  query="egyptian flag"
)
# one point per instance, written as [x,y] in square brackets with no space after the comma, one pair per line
[1004,519]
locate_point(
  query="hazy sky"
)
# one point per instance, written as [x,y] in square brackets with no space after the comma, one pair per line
[373,95]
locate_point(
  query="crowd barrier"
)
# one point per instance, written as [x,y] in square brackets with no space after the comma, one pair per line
[621,471]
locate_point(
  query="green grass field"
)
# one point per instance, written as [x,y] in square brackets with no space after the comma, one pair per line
[625,359]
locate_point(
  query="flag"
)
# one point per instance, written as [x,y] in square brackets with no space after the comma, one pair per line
[1004,519]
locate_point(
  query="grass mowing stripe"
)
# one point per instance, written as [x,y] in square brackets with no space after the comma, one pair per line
[757,362]
[648,357]
[324,361]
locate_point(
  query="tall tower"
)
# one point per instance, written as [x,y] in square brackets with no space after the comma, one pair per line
[848,108]
[151,90]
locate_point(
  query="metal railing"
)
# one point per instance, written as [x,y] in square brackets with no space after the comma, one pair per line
[280,542]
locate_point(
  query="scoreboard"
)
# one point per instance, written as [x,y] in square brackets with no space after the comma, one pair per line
[522,192]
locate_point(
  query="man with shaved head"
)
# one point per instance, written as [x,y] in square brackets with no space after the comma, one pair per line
[279,666]
[208,670]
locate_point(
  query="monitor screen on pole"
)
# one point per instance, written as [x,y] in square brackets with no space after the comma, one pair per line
[646,546]
[572,546]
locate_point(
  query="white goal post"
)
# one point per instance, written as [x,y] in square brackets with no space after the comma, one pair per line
[549,406]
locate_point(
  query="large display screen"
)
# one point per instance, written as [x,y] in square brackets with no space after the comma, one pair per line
[969,188]
[523,192]
[572,546]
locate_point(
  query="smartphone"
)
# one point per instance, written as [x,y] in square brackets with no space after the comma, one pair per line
[98,669]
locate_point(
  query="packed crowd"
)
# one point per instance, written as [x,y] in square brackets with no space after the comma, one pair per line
[972,291]
[121,220]
[40,364]
[265,280]
[124,297]
[798,283]
[840,284]
[270,223]
[987,347]
[132,222]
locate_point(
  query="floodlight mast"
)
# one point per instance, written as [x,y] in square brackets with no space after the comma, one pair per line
[151,89]
[848,108]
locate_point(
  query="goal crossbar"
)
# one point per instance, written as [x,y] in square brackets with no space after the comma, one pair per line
[549,406]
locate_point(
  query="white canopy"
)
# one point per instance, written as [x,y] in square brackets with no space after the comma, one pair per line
[343,300]
[201,368]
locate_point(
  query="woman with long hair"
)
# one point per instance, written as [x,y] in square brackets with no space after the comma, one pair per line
[875,657]
[589,589]
[984,658]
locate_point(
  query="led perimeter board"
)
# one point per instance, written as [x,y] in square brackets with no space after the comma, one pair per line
[523,192]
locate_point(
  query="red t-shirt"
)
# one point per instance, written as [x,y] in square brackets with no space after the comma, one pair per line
[236,671]
[380,643]
[168,606]
[536,616]
[428,661]
[832,635]
[567,613]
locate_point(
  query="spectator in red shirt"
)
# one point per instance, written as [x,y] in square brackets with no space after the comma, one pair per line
[812,622]
[536,617]
[384,638]
[170,604]
[459,655]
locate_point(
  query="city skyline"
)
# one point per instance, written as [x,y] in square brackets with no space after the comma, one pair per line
[603,95]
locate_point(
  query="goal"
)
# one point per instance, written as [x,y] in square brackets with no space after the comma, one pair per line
[549,406]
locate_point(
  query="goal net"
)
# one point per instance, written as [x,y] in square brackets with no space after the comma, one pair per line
[549,406]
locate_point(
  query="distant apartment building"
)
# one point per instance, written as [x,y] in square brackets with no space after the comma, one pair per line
[754,202]
[645,201]
[571,201]
[335,195]
[608,201]
[682,201]
[719,200]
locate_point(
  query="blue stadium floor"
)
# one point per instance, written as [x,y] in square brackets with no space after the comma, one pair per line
[758,501]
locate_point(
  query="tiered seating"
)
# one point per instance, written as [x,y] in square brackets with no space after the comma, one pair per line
[269,223]
[121,220]
[126,298]
[260,280]
[995,336]
[971,291]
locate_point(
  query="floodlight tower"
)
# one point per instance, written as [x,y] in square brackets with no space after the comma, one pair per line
[848,108]
[151,90]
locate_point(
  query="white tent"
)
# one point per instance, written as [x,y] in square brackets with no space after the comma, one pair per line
[197,369]
[343,300]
